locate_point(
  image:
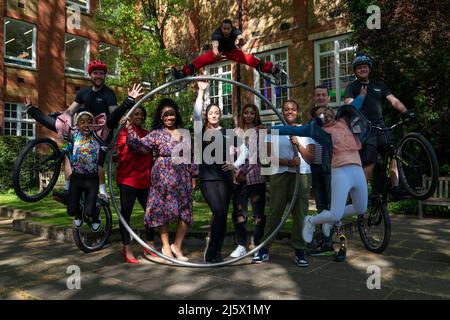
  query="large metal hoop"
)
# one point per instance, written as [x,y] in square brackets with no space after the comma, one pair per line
[145,245]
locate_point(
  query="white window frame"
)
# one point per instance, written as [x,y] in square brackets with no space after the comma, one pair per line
[336,51]
[20,107]
[33,49]
[257,77]
[74,71]
[220,66]
[83,9]
[110,75]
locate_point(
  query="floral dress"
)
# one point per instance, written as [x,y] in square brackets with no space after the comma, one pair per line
[170,195]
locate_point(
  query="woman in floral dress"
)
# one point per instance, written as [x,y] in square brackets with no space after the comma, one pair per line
[172,176]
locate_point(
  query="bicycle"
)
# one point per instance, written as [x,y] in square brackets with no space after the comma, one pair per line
[418,172]
[35,174]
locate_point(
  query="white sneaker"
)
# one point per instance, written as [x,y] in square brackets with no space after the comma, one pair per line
[326,229]
[308,229]
[77,222]
[238,252]
[95,226]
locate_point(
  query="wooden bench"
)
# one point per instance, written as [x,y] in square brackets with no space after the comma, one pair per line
[441,197]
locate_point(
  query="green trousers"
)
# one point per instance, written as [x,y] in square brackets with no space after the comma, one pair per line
[282,188]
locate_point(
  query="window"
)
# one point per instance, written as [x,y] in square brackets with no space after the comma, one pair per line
[17,121]
[82,4]
[77,55]
[221,93]
[333,66]
[274,94]
[110,55]
[20,43]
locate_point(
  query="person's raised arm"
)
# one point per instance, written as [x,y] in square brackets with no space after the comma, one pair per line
[198,107]
[114,117]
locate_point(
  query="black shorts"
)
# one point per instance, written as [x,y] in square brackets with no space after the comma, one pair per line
[375,144]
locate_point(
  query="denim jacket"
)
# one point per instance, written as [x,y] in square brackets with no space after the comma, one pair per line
[358,124]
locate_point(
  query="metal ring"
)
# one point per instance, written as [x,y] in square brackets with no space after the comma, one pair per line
[145,245]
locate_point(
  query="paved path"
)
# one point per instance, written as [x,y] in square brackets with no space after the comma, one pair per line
[415,266]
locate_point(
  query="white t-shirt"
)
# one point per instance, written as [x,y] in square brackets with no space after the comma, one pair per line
[283,149]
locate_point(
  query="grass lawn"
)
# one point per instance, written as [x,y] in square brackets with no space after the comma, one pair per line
[57,214]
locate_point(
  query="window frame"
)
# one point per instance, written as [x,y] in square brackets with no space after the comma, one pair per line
[73,71]
[109,75]
[86,9]
[20,108]
[257,78]
[336,51]
[220,65]
[32,61]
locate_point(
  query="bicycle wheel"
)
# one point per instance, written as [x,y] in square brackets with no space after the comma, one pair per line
[36,169]
[281,81]
[89,241]
[418,166]
[375,227]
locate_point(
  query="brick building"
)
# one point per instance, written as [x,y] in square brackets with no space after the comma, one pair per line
[46,47]
[308,38]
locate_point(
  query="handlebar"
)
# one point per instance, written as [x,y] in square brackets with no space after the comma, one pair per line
[391,127]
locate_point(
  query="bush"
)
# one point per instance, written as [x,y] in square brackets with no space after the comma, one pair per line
[9,149]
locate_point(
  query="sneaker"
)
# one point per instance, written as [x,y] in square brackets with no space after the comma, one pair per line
[238,252]
[77,222]
[261,256]
[340,256]
[308,229]
[398,194]
[275,70]
[323,250]
[300,259]
[217,259]
[95,226]
[177,74]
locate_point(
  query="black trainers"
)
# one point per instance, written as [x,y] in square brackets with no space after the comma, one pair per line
[398,194]
[300,258]
[216,259]
[261,256]
[275,70]
[178,74]
[324,250]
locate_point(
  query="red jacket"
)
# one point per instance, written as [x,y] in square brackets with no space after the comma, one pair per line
[134,169]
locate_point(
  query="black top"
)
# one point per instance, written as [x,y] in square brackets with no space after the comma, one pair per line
[213,171]
[96,102]
[371,107]
[226,44]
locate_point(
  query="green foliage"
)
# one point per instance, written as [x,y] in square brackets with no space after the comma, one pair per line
[139,27]
[9,149]
[411,56]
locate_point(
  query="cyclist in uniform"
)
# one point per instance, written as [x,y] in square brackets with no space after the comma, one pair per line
[372,110]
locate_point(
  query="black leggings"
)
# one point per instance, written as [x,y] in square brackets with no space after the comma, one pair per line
[128,196]
[217,194]
[257,195]
[79,184]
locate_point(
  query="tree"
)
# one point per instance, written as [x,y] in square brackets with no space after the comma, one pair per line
[140,27]
[411,55]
